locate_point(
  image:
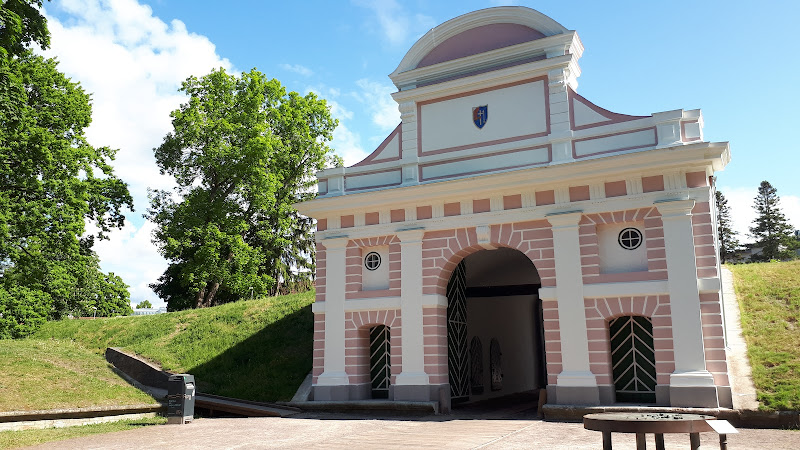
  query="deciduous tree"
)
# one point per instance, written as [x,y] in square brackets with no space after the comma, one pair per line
[771,229]
[242,151]
[144,304]
[51,183]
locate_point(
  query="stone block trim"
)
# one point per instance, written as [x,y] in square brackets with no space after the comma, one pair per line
[552,339]
[354,261]
[713,337]
[356,337]
[443,250]
[318,358]
[654,241]
[319,277]
[434,338]
[599,311]
[705,251]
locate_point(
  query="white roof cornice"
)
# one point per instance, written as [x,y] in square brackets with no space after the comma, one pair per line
[714,155]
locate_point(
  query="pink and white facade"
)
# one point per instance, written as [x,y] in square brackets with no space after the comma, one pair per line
[579,243]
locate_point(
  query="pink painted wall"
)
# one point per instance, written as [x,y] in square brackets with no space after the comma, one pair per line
[479,40]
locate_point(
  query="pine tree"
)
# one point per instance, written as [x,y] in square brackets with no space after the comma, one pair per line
[728,241]
[771,230]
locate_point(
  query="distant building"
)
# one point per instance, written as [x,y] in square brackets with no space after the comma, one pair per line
[149,311]
[510,235]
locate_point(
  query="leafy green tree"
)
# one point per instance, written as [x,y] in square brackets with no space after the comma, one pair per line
[144,304]
[728,241]
[51,183]
[242,151]
[21,24]
[771,229]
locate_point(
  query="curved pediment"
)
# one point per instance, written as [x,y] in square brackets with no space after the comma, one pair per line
[478,32]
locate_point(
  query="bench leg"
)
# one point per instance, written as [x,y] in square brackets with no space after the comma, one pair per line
[606,440]
[694,441]
[641,441]
[660,441]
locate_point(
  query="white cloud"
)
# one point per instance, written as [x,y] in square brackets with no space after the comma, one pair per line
[345,143]
[395,23]
[297,68]
[377,97]
[131,255]
[132,63]
[740,203]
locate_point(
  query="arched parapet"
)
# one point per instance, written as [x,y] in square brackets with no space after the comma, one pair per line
[391,149]
[600,311]
[523,24]
[357,328]
[443,250]
[584,114]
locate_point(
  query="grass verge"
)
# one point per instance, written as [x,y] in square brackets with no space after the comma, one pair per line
[46,374]
[769,299]
[256,350]
[13,439]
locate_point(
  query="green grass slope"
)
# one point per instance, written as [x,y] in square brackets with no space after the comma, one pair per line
[36,375]
[256,350]
[769,299]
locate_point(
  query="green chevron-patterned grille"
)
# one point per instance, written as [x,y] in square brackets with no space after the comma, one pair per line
[457,349]
[633,359]
[379,361]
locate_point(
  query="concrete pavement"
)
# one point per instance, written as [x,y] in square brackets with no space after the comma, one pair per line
[338,431]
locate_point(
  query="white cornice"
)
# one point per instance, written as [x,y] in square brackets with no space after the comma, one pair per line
[484,80]
[485,61]
[516,215]
[698,155]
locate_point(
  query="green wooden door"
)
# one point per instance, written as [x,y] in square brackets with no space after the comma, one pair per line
[633,359]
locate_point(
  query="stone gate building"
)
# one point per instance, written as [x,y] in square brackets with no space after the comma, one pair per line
[510,235]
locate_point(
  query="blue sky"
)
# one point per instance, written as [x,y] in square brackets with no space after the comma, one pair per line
[732,59]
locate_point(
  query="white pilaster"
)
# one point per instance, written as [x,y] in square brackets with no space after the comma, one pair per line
[569,291]
[409,157]
[411,309]
[684,295]
[334,368]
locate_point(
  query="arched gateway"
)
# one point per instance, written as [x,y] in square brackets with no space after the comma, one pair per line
[509,235]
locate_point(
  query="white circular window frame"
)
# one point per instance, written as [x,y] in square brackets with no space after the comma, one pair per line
[628,238]
[372,261]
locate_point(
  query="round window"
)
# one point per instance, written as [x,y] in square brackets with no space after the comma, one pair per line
[372,261]
[630,238]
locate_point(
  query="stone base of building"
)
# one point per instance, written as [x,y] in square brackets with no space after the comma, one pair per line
[577,395]
[694,396]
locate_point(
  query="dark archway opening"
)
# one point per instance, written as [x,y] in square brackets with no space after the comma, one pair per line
[494,328]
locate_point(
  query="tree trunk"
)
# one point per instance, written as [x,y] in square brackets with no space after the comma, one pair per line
[210,299]
[198,301]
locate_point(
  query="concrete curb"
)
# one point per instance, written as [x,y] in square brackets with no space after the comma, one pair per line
[59,418]
[80,413]
[63,423]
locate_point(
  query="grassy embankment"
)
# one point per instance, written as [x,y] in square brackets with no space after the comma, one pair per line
[769,299]
[256,350]
[37,374]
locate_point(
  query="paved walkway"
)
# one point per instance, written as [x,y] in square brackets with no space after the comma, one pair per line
[337,431]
